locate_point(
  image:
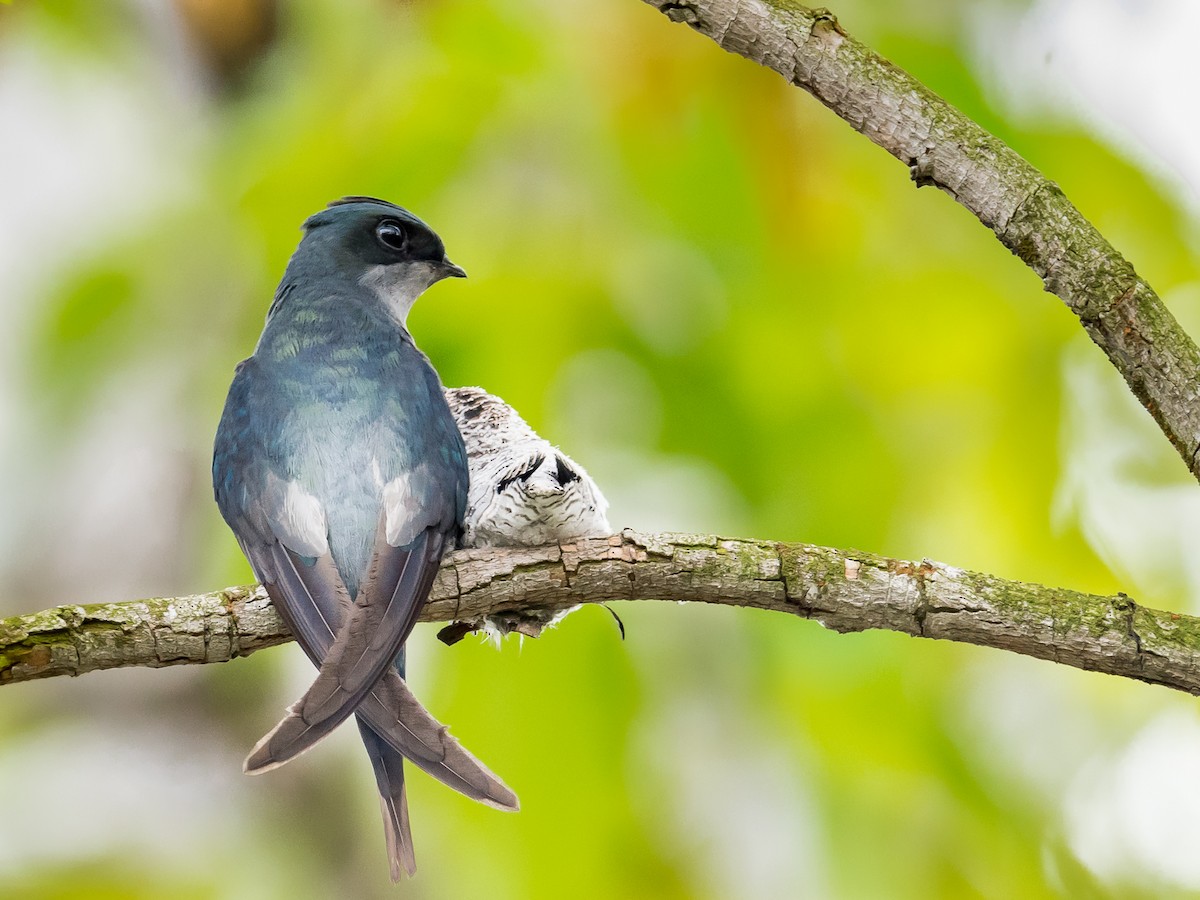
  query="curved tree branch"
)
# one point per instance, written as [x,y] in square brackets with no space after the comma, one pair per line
[1028,213]
[842,589]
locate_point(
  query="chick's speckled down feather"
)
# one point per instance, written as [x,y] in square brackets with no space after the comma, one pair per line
[523,491]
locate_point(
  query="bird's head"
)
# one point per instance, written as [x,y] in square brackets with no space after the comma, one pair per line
[383,247]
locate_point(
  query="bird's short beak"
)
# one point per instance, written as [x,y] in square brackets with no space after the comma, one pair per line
[450,270]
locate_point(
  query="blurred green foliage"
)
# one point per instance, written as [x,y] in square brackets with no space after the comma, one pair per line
[743,319]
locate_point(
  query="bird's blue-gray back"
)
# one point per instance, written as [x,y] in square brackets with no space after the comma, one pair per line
[342,403]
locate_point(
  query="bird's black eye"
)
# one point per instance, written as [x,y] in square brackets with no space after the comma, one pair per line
[392,235]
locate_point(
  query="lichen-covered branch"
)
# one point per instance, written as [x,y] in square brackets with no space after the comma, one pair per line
[942,147]
[842,589]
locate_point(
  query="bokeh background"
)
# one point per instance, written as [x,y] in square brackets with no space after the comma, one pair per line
[736,312]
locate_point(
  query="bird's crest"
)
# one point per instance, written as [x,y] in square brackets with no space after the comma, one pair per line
[347,201]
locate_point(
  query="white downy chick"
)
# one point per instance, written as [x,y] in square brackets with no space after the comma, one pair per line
[524,492]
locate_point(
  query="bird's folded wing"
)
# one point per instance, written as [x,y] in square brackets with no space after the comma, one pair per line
[312,601]
[388,603]
[309,597]
[393,713]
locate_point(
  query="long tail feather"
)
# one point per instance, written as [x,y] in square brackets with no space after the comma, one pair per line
[393,799]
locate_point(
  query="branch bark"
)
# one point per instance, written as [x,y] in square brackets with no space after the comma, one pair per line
[843,590]
[942,147]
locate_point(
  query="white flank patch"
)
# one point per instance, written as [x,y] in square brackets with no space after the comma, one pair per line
[296,517]
[405,515]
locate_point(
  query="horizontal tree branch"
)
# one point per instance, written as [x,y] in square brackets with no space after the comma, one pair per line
[844,590]
[942,147]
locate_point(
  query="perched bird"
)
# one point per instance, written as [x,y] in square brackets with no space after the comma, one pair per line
[340,470]
[524,490]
